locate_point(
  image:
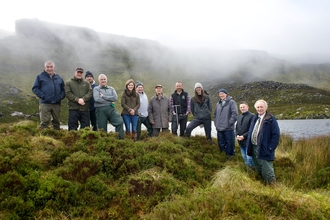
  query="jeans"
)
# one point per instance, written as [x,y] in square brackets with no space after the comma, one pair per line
[247,159]
[179,120]
[130,119]
[226,142]
[145,121]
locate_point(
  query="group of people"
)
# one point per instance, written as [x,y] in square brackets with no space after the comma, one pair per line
[92,104]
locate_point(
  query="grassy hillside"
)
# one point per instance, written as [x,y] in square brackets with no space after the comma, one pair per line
[84,174]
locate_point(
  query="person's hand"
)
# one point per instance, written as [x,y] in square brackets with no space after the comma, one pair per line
[101,95]
[152,123]
[132,112]
[81,101]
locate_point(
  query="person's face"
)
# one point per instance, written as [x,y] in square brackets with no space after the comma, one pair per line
[178,87]
[243,107]
[49,69]
[260,108]
[78,74]
[159,90]
[103,81]
[139,89]
[198,90]
[222,95]
[89,79]
[130,86]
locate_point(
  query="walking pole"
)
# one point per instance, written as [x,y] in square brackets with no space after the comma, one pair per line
[177,117]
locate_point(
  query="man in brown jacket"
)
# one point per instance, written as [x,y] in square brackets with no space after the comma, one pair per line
[159,111]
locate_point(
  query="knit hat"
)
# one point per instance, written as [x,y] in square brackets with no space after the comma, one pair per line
[89,74]
[138,83]
[198,85]
[223,90]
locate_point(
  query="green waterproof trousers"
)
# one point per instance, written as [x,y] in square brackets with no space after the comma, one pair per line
[109,113]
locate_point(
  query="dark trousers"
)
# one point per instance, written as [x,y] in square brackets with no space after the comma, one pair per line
[179,120]
[226,142]
[156,131]
[195,122]
[92,117]
[145,121]
[75,117]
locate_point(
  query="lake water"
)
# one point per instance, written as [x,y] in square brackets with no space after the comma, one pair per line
[295,128]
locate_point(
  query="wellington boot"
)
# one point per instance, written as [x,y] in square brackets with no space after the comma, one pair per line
[134,135]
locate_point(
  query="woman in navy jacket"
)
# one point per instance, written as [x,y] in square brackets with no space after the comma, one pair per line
[262,141]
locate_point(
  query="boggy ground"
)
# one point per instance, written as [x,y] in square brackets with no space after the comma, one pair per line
[47,174]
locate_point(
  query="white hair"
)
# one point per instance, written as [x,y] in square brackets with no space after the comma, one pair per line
[101,76]
[263,101]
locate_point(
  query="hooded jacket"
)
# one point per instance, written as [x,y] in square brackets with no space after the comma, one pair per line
[268,137]
[49,89]
[225,115]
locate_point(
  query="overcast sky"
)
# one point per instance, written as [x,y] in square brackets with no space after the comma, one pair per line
[276,26]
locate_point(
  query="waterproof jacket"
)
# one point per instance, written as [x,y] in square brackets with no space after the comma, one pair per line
[201,111]
[76,89]
[225,115]
[108,98]
[50,90]
[130,102]
[159,111]
[268,137]
[243,125]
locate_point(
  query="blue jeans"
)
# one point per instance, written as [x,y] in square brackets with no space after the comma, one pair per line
[226,142]
[247,159]
[130,119]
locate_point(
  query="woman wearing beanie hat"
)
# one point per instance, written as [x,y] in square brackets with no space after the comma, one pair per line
[201,108]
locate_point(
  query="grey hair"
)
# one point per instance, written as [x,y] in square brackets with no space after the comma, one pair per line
[48,63]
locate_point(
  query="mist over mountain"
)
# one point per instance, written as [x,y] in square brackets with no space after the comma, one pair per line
[69,47]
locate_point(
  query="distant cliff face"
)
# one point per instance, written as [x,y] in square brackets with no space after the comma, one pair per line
[69,47]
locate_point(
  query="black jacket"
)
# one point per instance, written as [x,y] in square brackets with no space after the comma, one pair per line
[243,125]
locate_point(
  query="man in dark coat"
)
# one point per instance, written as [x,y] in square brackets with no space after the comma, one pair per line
[242,128]
[263,138]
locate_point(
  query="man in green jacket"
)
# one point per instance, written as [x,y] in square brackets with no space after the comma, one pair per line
[78,92]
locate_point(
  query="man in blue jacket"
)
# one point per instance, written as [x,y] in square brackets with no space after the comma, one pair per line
[263,138]
[49,87]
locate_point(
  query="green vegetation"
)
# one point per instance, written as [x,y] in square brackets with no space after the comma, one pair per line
[48,174]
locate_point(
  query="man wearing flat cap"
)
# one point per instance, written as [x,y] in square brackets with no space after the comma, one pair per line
[225,116]
[159,111]
[78,92]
